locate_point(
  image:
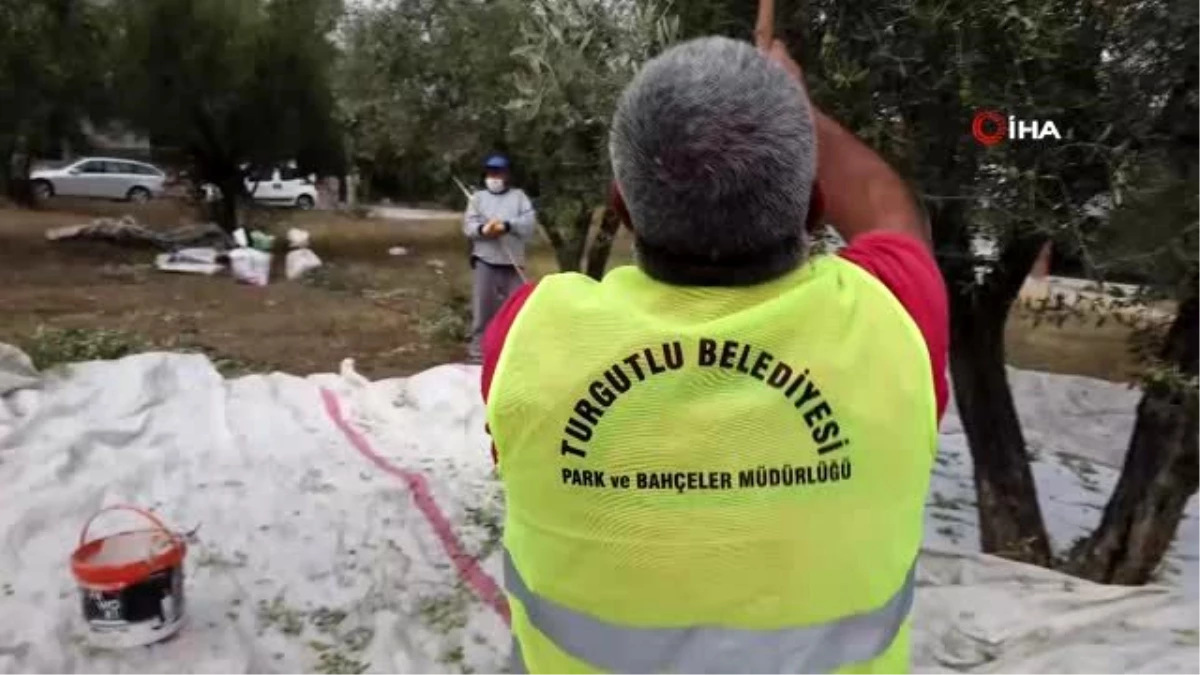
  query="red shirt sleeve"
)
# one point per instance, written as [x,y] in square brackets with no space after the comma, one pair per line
[494,336]
[906,266]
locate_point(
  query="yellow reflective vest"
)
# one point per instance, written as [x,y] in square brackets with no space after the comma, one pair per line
[713,479]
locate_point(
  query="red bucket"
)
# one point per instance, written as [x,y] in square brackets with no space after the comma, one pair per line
[130,583]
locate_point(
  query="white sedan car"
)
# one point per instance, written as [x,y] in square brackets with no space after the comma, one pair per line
[100,177]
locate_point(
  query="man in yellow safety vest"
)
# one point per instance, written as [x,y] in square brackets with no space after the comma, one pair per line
[717,460]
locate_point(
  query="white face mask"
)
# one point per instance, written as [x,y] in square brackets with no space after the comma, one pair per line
[495,185]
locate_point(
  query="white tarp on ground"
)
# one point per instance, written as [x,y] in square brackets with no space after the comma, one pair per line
[309,557]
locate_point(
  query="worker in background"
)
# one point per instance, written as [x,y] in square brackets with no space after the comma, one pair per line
[717,460]
[499,221]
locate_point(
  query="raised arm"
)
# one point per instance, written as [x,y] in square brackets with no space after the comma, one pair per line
[860,192]
[864,194]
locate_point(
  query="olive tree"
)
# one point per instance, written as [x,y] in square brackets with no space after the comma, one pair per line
[423,86]
[909,77]
[1118,81]
[1153,232]
[231,83]
[428,87]
[575,57]
[55,62]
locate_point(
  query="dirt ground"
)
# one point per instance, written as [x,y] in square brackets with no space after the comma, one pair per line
[395,315]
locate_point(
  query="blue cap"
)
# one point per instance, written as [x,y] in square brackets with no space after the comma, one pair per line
[497,162]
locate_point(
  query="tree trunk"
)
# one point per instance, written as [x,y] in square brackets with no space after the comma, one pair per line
[569,237]
[1010,519]
[601,247]
[1041,267]
[7,165]
[227,207]
[18,164]
[1160,473]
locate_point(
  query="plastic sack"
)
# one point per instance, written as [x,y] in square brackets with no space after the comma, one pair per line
[299,262]
[250,266]
[261,241]
[204,255]
[297,238]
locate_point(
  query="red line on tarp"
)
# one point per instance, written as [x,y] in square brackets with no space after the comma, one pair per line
[467,566]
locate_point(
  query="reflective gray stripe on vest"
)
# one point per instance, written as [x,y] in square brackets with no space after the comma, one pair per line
[709,649]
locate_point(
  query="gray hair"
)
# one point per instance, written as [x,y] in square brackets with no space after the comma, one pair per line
[713,148]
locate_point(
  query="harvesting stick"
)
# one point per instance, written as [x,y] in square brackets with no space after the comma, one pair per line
[511,258]
[764,28]
[764,38]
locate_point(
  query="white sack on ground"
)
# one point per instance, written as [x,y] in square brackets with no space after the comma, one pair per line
[299,262]
[297,238]
[309,557]
[190,261]
[250,266]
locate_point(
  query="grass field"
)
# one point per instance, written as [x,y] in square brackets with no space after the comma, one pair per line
[394,314]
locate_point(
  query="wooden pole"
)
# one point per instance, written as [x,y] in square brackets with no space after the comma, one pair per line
[1041,266]
[764,29]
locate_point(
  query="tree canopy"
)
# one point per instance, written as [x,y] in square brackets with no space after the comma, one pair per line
[423,85]
[54,64]
[1118,189]
[574,59]
[229,82]
[431,86]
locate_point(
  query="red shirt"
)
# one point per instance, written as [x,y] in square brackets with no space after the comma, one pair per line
[901,262]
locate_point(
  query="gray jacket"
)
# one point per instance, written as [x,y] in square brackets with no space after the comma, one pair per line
[512,207]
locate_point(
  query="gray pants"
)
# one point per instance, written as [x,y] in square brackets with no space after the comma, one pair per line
[492,286]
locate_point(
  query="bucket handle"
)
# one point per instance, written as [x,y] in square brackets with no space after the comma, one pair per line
[158,524]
